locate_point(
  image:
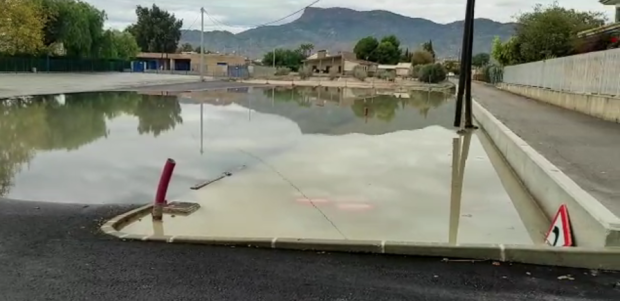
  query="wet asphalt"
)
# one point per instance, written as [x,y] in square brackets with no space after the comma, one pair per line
[56,252]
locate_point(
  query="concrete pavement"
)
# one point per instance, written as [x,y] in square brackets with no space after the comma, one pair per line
[55,252]
[21,84]
[583,147]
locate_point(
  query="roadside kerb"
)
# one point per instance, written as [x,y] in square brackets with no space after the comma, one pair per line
[593,225]
[578,257]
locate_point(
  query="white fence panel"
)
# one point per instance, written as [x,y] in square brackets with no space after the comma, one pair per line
[591,73]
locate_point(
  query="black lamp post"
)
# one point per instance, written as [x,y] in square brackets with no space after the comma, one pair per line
[465,74]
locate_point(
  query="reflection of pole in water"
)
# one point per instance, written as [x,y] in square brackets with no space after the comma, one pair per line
[460,152]
[201,127]
[249,108]
[273,96]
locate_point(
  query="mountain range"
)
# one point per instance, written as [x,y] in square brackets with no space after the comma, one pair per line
[338,29]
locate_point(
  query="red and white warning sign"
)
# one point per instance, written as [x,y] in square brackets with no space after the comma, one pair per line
[560,234]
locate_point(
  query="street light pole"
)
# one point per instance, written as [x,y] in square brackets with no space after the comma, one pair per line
[465,73]
[202,44]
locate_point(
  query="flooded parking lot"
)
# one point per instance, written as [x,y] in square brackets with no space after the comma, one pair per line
[319,163]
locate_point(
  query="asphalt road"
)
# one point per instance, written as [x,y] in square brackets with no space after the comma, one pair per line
[56,252]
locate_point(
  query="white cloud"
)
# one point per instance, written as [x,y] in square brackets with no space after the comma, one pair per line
[237,16]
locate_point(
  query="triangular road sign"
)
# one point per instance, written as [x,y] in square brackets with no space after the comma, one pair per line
[560,234]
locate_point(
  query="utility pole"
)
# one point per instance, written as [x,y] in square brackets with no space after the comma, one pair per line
[274,58]
[469,121]
[202,44]
[465,74]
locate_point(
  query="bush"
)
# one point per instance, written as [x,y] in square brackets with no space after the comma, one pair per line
[421,57]
[432,73]
[386,75]
[305,72]
[359,73]
[415,71]
[492,74]
[283,71]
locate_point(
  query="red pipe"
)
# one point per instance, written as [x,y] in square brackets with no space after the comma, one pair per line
[164,181]
[162,188]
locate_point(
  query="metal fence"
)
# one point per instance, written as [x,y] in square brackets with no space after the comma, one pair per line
[60,64]
[590,73]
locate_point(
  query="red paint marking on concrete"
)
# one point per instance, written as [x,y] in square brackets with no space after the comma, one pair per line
[354,207]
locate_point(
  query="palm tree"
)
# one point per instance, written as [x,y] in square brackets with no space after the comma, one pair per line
[306,48]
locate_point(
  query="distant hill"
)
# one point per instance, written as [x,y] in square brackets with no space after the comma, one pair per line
[338,29]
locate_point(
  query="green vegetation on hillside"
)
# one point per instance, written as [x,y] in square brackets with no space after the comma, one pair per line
[339,29]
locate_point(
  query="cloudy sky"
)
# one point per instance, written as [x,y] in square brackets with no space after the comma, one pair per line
[236,15]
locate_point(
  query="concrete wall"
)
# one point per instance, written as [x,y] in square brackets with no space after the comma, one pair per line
[212,60]
[600,106]
[590,73]
[592,224]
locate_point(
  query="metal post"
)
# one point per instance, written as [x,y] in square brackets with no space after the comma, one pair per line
[202,44]
[469,122]
[201,128]
[463,72]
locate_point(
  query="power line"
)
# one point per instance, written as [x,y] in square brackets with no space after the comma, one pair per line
[267,23]
[289,15]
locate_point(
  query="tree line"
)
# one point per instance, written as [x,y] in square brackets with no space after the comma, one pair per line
[76,29]
[551,31]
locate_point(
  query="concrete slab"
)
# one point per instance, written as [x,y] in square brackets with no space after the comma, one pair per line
[400,186]
[21,84]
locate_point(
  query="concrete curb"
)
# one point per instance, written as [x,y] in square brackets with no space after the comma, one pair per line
[577,257]
[593,225]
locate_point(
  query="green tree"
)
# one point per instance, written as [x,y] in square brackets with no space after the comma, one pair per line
[387,53]
[392,39]
[365,48]
[546,32]
[428,47]
[289,58]
[75,24]
[406,57]
[118,45]
[480,59]
[186,47]
[421,57]
[21,27]
[156,30]
[508,53]
[306,49]
[432,73]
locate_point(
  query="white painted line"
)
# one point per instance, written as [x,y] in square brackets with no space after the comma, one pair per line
[383,247]
[502,253]
[273,242]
